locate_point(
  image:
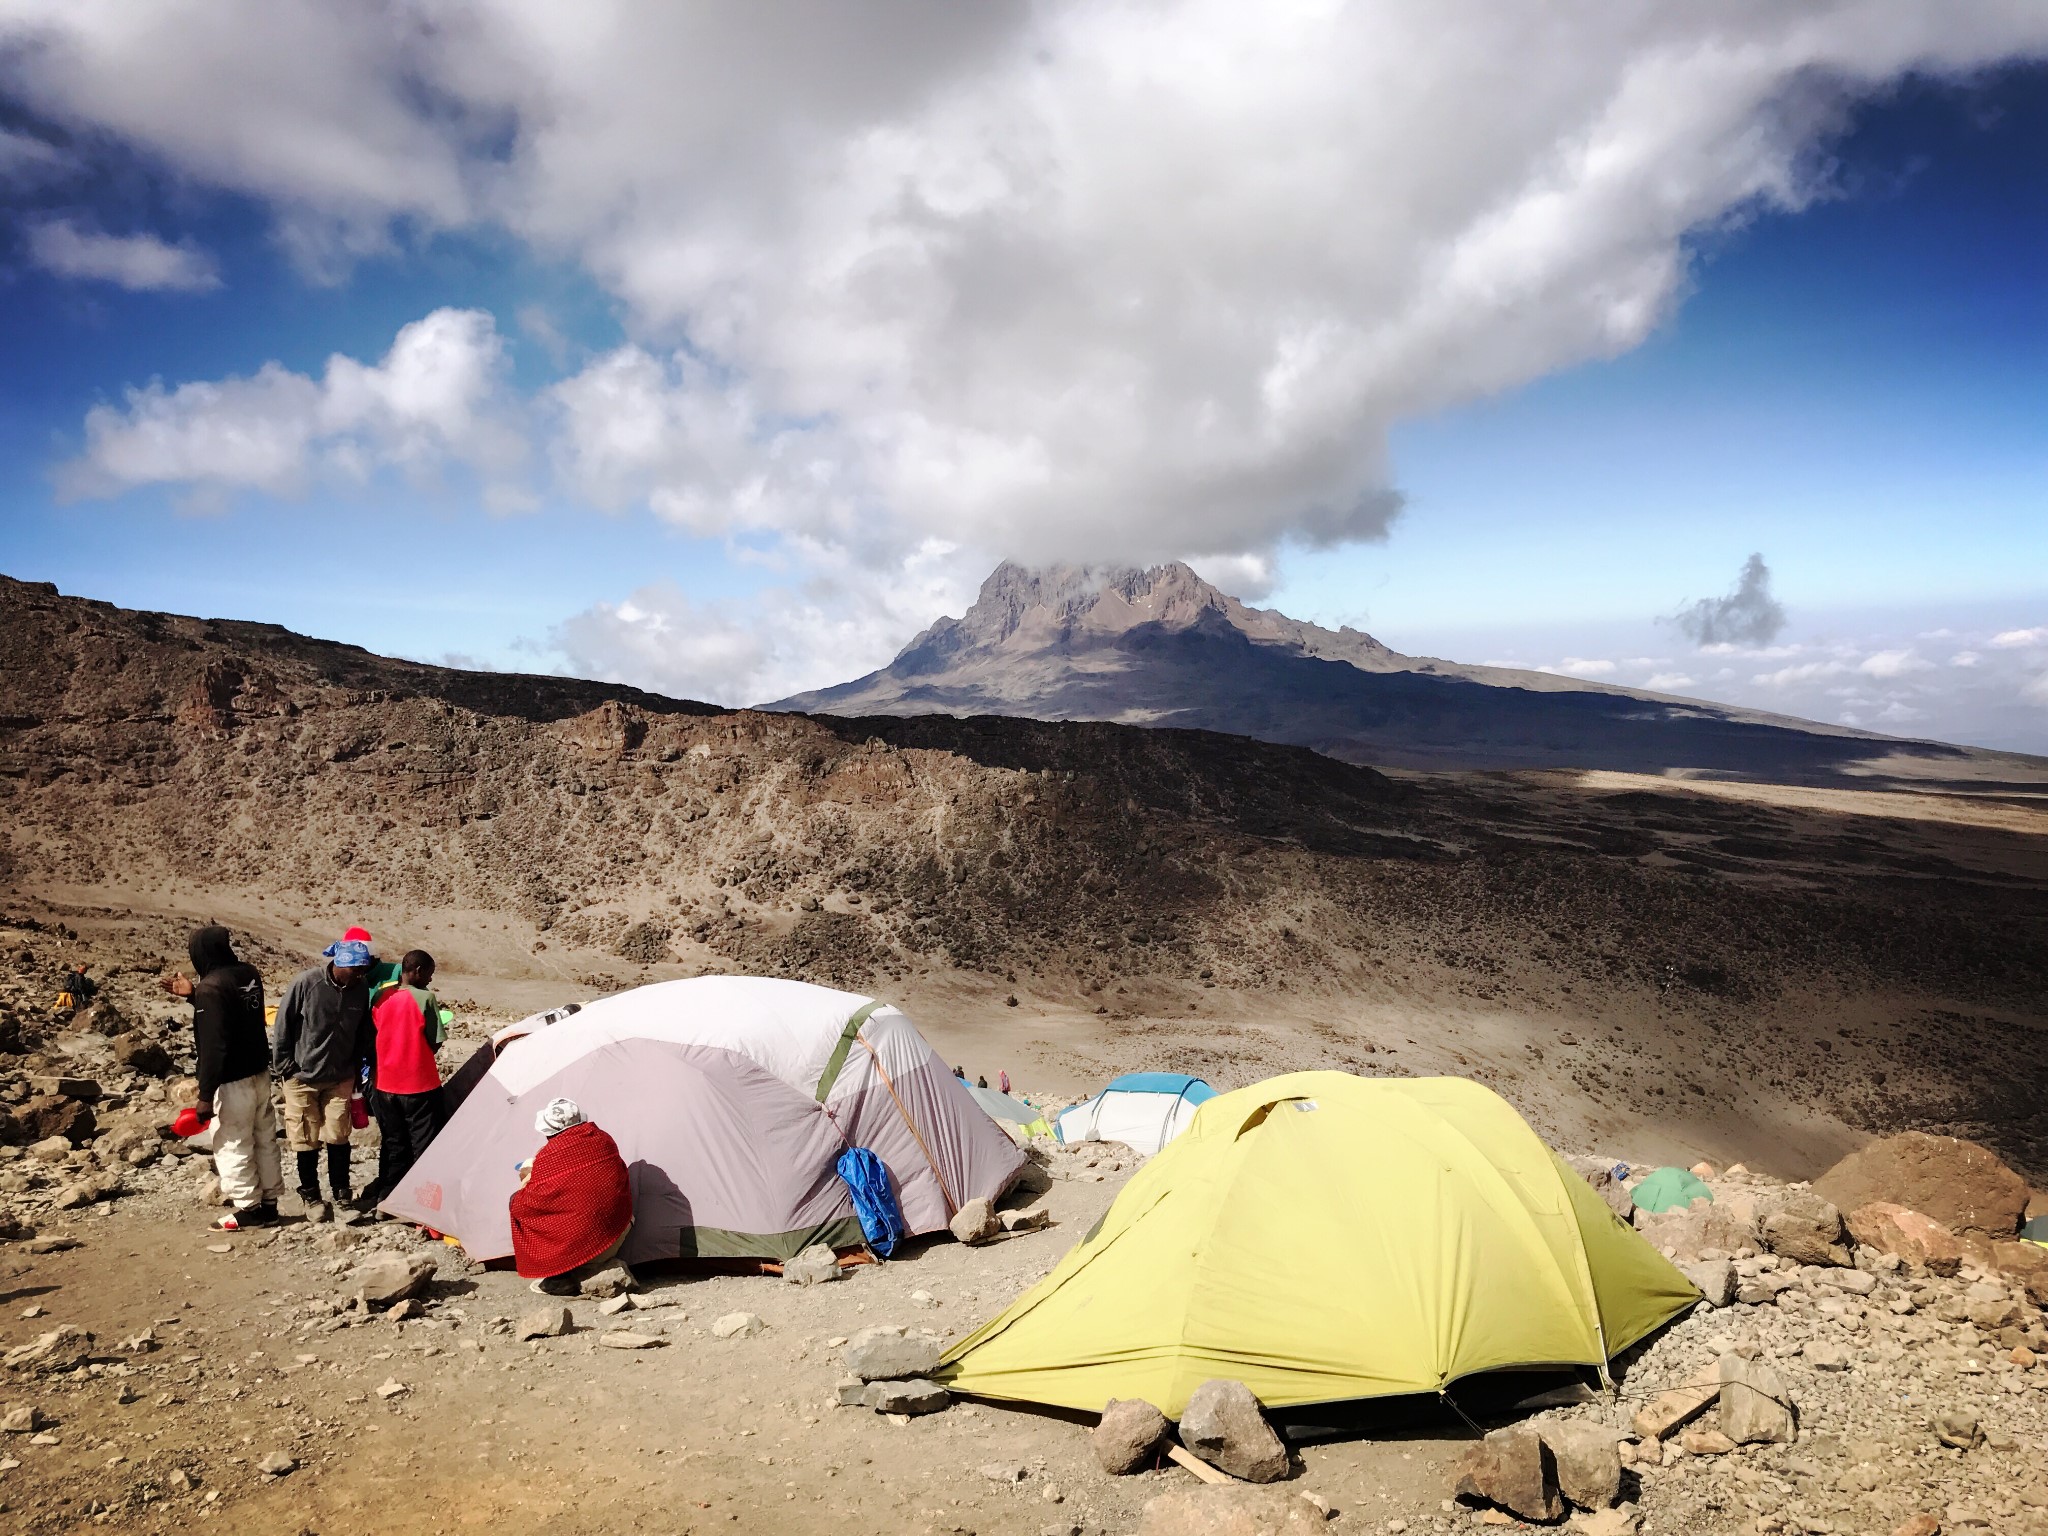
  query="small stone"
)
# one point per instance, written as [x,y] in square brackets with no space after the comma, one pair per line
[1715,1278]
[25,1420]
[816,1265]
[976,1222]
[850,1392]
[1005,1472]
[1960,1430]
[1031,1220]
[1705,1442]
[613,1280]
[63,1348]
[392,1387]
[1128,1435]
[912,1397]
[1828,1355]
[879,1355]
[276,1464]
[1225,1426]
[923,1299]
[612,1306]
[620,1338]
[1668,1410]
[546,1323]
[1920,1525]
[738,1325]
[384,1282]
[406,1309]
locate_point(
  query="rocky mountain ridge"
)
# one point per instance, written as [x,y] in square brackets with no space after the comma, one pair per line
[1163,647]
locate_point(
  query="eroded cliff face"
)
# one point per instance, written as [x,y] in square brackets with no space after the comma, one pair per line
[1654,949]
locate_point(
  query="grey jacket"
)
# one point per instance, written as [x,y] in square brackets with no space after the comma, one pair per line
[323,1032]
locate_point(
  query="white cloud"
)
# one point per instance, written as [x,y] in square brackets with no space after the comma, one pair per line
[1802,672]
[2015,639]
[141,263]
[1667,682]
[435,398]
[27,161]
[1060,279]
[1964,659]
[1581,666]
[2035,690]
[1892,664]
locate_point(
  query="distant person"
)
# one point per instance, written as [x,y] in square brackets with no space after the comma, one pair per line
[961,1073]
[78,989]
[324,1041]
[574,1204]
[981,1081]
[406,1079]
[234,1077]
[1003,1080]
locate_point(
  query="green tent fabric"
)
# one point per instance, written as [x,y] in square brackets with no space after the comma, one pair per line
[2036,1231]
[1669,1189]
[1328,1238]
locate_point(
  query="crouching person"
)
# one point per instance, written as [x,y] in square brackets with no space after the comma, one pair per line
[574,1205]
[407,1095]
[234,1077]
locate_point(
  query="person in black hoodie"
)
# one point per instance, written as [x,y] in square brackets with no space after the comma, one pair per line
[234,1077]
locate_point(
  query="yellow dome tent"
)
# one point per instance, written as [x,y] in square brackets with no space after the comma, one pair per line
[1322,1238]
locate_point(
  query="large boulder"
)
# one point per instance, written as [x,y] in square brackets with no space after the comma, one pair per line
[1599,1172]
[1128,1435]
[1919,1240]
[1755,1408]
[1588,1460]
[1798,1224]
[976,1222]
[1225,1426]
[1960,1184]
[1514,1469]
[139,1053]
[53,1114]
[1229,1511]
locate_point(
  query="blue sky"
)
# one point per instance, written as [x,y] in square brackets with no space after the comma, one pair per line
[656,433]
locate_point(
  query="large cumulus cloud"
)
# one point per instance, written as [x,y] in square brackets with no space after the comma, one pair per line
[1109,280]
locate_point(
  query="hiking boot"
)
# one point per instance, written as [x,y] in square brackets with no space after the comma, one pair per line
[338,1175]
[264,1215]
[318,1211]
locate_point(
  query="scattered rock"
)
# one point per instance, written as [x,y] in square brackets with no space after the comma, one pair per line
[620,1338]
[738,1325]
[1961,1185]
[612,1306]
[613,1280]
[1960,1430]
[25,1420]
[383,1282]
[1668,1410]
[1128,1435]
[916,1396]
[1920,1525]
[1827,1355]
[1031,1219]
[1702,1441]
[850,1392]
[138,1053]
[1225,1426]
[976,1222]
[1513,1469]
[63,1348]
[816,1265]
[392,1387]
[1755,1408]
[546,1323]
[883,1355]
[277,1464]
[1008,1472]
[1714,1277]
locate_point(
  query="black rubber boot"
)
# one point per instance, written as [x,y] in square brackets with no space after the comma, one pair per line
[338,1176]
[309,1177]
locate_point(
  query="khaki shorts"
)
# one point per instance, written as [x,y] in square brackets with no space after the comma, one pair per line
[316,1113]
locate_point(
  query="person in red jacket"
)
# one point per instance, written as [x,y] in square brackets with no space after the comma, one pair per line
[574,1206]
[406,1078]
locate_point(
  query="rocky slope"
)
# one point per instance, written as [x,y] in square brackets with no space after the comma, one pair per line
[1163,647]
[1725,974]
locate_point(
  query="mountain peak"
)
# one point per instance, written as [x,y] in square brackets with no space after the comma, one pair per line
[1057,598]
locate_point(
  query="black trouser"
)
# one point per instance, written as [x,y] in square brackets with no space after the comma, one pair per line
[406,1122]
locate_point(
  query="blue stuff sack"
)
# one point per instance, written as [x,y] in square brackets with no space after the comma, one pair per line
[874,1202]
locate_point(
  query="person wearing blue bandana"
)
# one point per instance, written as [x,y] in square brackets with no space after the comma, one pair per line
[323,1040]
